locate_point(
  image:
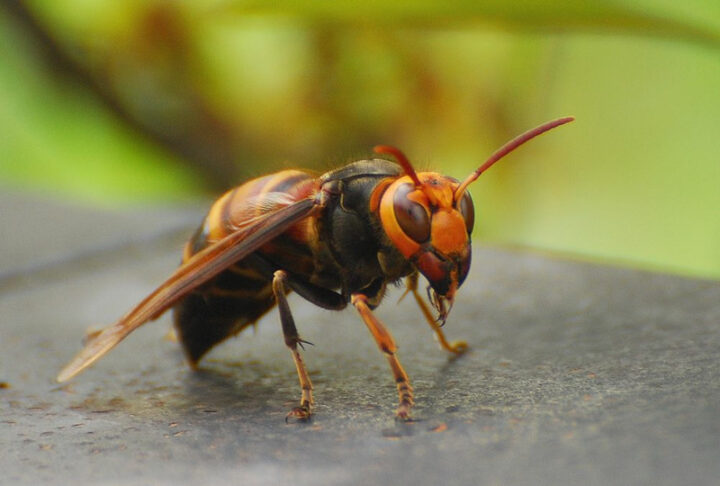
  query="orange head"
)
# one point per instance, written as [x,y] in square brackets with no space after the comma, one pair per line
[429,218]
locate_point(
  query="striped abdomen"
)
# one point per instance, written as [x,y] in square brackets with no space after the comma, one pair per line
[241,294]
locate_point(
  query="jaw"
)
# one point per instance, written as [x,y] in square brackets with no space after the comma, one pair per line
[442,273]
[441,303]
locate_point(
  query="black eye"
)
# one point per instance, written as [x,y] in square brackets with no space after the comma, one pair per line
[468,211]
[411,216]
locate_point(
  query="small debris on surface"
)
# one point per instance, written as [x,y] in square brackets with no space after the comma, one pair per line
[439,428]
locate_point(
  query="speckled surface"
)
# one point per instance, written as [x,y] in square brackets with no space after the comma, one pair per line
[577,374]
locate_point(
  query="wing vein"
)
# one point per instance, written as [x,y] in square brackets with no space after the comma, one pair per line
[200,268]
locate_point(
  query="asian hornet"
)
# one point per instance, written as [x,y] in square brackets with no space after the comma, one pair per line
[335,239]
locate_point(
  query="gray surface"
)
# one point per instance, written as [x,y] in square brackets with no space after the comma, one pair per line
[578,373]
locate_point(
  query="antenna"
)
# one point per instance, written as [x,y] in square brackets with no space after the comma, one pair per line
[404,162]
[506,149]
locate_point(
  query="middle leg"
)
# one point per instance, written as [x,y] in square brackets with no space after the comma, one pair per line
[292,340]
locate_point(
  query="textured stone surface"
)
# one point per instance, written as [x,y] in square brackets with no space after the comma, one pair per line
[577,373]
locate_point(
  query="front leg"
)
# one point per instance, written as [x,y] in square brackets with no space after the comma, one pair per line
[386,343]
[457,347]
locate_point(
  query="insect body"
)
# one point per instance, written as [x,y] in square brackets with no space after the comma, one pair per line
[336,239]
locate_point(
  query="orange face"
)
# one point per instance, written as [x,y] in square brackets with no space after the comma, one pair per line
[430,229]
[429,217]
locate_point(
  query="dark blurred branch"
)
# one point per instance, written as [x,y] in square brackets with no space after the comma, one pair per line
[202,142]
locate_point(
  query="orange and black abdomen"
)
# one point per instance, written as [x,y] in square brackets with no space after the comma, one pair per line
[240,295]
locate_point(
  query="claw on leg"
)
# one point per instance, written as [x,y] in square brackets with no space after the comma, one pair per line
[299,414]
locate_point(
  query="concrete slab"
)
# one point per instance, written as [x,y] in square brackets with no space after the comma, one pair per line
[577,373]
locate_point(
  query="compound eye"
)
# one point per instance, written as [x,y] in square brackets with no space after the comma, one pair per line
[467,209]
[411,216]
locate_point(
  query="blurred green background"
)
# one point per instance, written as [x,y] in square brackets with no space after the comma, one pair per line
[133,103]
